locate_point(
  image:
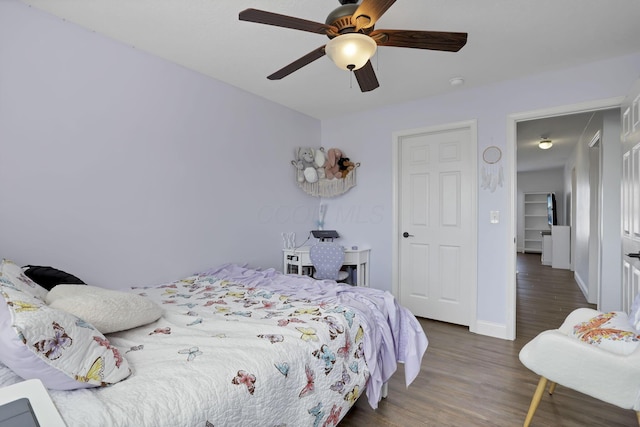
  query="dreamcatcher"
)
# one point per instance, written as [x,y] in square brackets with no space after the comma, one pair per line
[492,174]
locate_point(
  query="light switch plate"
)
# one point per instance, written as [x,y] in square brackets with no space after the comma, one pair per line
[494,217]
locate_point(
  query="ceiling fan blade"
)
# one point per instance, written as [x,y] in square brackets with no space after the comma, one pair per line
[270,18]
[369,12]
[433,40]
[366,77]
[297,64]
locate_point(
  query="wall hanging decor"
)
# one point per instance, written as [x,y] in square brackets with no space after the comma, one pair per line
[492,174]
[321,174]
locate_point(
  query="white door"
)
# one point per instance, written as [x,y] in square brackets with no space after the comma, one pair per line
[437,222]
[630,196]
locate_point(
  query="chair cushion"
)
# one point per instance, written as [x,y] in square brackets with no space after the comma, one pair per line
[342,275]
[610,331]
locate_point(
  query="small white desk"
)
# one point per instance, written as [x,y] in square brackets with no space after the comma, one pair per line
[297,261]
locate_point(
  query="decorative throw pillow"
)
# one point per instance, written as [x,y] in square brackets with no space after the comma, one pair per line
[48,277]
[106,309]
[610,331]
[12,275]
[61,350]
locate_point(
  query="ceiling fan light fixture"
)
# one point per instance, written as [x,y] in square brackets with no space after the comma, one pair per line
[351,51]
[545,144]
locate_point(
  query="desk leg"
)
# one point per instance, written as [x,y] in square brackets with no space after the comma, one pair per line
[363,274]
[365,281]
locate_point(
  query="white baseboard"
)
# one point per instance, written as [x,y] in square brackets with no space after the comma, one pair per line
[491,329]
[583,287]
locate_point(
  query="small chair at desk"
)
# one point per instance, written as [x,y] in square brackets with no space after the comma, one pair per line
[327,259]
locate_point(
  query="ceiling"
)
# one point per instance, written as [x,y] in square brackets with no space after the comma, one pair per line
[564,131]
[506,39]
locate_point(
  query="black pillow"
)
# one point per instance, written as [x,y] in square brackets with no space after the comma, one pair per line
[48,277]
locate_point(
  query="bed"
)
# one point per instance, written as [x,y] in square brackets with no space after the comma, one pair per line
[240,346]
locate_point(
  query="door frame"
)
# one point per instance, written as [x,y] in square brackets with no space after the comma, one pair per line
[511,155]
[472,125]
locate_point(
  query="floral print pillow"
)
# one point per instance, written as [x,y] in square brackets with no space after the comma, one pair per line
[12,274]
[610,331]
[58,348]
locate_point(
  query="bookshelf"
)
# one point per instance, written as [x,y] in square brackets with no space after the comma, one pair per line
[535,221]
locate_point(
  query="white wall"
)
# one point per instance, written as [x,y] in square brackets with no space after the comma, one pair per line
[611,274]
[586,235]
[367,137]
[542,181]
[578,164]
[580,161]
[585,231]
[125,169]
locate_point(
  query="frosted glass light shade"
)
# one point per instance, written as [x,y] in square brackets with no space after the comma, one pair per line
[545,144]
[350,51]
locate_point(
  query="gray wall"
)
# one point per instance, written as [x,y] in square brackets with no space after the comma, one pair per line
[586,232]
[126,169]
[368,136]
[611,262]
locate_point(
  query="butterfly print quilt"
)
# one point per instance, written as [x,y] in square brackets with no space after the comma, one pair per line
[237,346]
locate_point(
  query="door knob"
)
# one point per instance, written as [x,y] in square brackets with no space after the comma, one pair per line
[634,255]
[405,235]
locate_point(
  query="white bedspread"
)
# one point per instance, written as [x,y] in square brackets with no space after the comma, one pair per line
[228,352]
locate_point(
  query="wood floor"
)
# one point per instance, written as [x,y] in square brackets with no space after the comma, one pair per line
[473,380]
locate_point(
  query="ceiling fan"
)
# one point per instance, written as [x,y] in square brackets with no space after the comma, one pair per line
[353,39]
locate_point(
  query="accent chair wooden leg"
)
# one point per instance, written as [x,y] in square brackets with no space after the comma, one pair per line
[552,387]
[535,401]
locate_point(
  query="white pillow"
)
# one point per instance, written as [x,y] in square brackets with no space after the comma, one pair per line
[107,310]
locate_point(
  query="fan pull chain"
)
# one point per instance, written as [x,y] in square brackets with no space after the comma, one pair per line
[351,67]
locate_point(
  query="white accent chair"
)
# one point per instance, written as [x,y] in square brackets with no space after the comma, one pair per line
[560,358]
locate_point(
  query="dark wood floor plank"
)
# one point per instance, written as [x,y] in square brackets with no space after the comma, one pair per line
[474,380]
